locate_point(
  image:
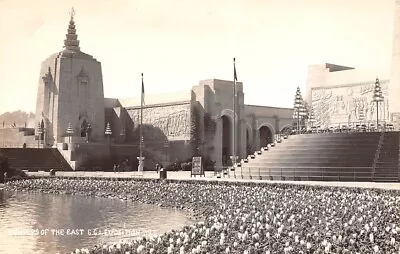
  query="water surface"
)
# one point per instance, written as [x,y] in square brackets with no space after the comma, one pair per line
[48,223]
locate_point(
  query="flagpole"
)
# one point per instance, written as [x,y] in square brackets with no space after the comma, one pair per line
[141,121]
[234,112]
[141,158]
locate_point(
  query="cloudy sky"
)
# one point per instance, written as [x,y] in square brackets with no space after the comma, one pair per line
[176,43]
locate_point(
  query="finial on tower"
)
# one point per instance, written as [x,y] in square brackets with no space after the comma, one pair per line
[72,13]
[71,42]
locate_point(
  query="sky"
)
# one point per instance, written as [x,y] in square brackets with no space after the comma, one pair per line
[177,43]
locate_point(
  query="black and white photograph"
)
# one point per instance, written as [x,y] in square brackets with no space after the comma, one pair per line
[207,127]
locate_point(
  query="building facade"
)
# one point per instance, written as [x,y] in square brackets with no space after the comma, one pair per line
[71,108]
[342,95]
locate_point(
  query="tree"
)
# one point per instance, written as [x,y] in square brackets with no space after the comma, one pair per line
[4,167]
[377,97]
[300,111]
[195,138]
[20,118]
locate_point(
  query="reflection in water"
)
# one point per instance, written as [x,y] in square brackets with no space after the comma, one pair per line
[62,223]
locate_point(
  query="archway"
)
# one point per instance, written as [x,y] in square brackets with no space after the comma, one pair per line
[286,130]
[265,136]
[83,128]
[226,140]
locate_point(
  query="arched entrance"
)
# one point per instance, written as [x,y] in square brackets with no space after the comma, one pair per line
[286,130]
[42,128]
[83,128]
[265,136]
[226,140]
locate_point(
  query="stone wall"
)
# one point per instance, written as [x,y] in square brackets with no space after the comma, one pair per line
[329,75]
[171,121]
[348,104]
[16,137]
[102,156]
[263,111]
[161,122]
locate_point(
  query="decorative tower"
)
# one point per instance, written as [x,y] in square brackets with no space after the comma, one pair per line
[394,86]
[71,42]
[70,90]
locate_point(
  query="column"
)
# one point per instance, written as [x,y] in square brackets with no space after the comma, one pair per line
[218,143]
[257,140]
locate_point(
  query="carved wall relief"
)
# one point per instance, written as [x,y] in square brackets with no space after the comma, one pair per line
[349,104]
[171,121]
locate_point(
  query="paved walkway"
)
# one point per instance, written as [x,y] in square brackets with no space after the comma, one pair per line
[209,176]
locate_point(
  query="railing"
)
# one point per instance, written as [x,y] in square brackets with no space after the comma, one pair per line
[84,174]
[19,145]
[347,127]
[222,171]
[398,165]
[305,173]
[378,151]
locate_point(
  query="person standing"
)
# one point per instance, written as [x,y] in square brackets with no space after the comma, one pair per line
[123,166]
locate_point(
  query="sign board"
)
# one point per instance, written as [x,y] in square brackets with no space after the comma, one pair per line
[197,168]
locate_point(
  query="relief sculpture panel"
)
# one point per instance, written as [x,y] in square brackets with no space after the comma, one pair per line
[172,121]
[349,104]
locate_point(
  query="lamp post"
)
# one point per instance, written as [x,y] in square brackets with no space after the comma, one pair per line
[70,131]
[108,132]
[361,116]
[141,157]
[303,114]
[123,134]
[377,97]
[40,131]
[311,118]
[166,146]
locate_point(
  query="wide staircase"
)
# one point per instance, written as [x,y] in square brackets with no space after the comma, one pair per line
[34,159]
[387,159]
[353,156]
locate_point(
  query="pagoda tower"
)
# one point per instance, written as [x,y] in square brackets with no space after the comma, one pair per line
[70,92]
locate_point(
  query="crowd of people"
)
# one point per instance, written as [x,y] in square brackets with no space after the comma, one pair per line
[250,217]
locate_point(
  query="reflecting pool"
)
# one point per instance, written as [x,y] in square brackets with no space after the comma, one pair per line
[48,223]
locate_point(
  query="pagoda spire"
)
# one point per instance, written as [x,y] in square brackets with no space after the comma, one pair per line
[72,42]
